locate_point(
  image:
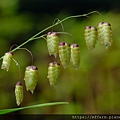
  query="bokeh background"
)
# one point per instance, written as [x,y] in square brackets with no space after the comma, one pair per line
[94,88]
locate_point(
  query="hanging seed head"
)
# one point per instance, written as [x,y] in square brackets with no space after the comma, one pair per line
[7,58]
[53,73]
[31,78]
[90,37]
[75,56]
[19,93]
[105,33]
[52,43]
[64,53]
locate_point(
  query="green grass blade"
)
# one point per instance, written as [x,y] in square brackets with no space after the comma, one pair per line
[5,111]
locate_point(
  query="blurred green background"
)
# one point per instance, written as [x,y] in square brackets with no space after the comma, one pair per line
[94,88]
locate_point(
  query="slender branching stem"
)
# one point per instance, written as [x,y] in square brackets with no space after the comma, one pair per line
[57,23]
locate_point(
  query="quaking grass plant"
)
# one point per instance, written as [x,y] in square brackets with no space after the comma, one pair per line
[67,53]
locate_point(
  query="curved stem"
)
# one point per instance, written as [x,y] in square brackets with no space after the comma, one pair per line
[67,34]
[18,68]
[90,19]
[28,52]
[59,22]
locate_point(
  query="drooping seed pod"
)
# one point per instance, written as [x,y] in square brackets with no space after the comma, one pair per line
[31,78]
[75,56]
[105,33]
[53,73]
[19,93]
[90,37]
[7,58]
[64,53]
[52,43]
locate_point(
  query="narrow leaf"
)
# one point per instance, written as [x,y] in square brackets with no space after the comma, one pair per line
[5,111]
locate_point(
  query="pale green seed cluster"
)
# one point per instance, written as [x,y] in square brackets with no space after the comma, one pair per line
[6,61]
[105,33]
[19,93]
[90,37]
[52,43]
[67,53]
[64,53]
[75,56]
[53,73]
[31,78]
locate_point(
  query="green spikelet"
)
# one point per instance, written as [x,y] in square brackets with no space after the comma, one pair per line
[105,33]
[7,58]
[75,56]
[52,43]
[90,37]
[31,78]
[19,93]
[64,53]
[53,73]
